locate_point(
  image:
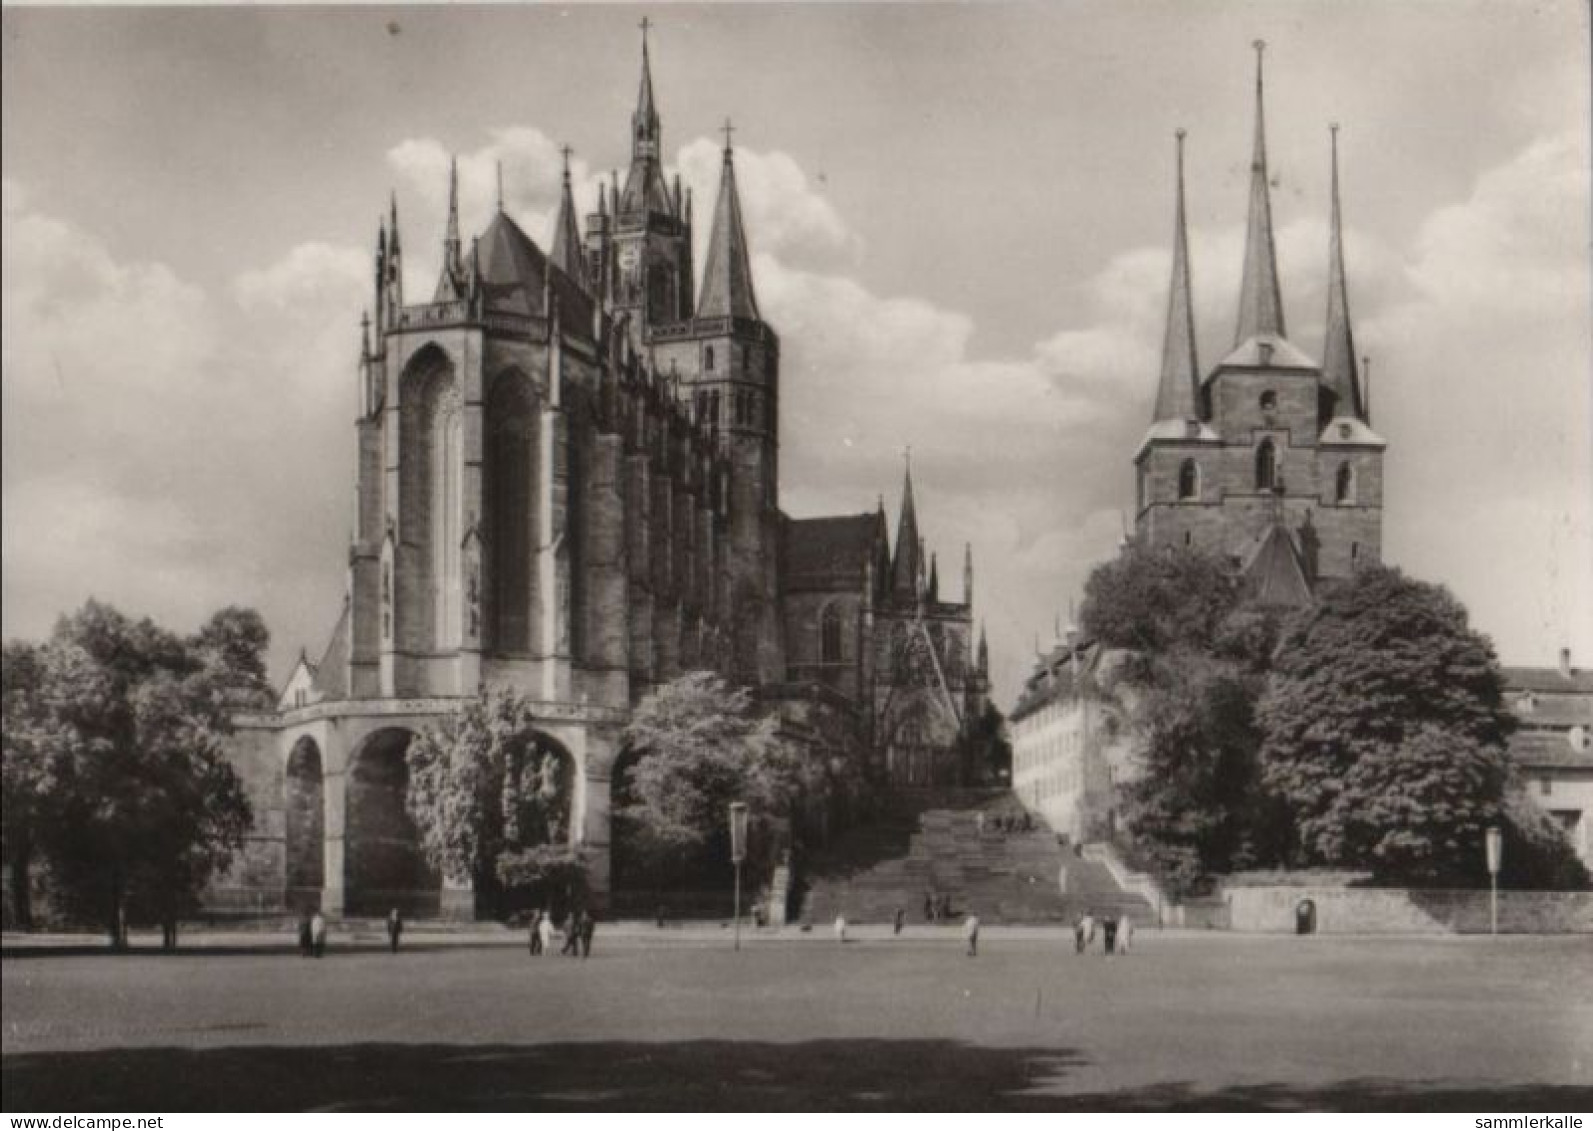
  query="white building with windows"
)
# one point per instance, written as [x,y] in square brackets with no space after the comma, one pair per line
[1553,747]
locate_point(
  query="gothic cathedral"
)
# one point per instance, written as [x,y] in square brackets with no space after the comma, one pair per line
[568,483]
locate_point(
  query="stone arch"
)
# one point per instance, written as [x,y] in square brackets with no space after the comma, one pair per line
[832,635]
[431,500]
[511,466]
[304,826]
[384,865]
[1344,484]
[1266,465]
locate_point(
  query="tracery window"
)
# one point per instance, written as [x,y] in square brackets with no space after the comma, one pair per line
[1266,465]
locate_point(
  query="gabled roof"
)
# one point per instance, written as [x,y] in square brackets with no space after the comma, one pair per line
[831,544]
[1190,431]
[1280,354]
[1276,572]
[515,274]
[1346,431]
[1580,680]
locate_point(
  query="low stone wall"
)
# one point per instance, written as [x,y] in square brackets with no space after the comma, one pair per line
[1347,910]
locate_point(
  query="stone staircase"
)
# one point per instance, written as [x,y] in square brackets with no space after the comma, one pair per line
[931,843]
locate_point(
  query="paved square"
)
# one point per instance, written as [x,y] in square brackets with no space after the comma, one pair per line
[672,1021]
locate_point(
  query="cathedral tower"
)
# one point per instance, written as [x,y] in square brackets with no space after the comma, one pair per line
[1270,458]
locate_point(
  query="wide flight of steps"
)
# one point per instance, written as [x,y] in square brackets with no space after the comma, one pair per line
[931,842]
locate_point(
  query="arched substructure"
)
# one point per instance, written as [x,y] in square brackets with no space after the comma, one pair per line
[511,519]
[431,501]
[304,826]
[541,790]
[383,865]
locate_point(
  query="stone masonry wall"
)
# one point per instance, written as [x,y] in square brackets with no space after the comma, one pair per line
[1409,911]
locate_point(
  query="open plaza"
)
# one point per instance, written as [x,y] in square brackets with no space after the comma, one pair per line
[678,1019]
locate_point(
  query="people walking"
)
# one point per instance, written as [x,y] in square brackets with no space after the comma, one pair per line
[1078,935]
[840,929]
[318,934]
[929,907]
[533,934]
[1109,931]
[572,935]
[1087,928]
[545,932]
[588,929]
[306,939]
[970,931]
[1125,934]
[395,928]
[901,920]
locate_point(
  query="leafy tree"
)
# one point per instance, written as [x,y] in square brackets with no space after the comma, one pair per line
[1537,853]
[989,753]
[1384,730]
[22,764]
[1195,663]
[484,790]
[127,793]
[1148,600]
[700,745]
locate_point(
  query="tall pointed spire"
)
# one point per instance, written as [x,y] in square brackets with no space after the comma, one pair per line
[645,120]
[567,232]
[1338,351]
[967,574]
[727,278]
[645,190]
[1178,394]
[905,568]
[1260,299]
[451,283]
[392,231]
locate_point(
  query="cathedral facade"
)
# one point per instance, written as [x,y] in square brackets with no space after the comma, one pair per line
[1269,456]
[568,484]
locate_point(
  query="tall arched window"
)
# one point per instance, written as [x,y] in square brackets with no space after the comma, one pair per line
[708,358]
[1344,484]
[429,502]
[511,474]
[830,635]
[1266,466]
[1188,480]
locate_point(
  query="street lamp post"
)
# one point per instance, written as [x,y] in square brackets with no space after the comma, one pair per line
[738,853]
[1494,843]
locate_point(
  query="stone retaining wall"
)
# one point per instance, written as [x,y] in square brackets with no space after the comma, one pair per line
[1409,911]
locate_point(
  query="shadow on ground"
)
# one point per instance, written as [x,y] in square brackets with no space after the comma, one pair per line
[857,1075]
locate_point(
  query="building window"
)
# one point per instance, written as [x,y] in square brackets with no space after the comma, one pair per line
[1355,552]
[1266,466]
[708,358]
[1269,401]
[1578,738]
[830,635]
[1188,480]
[1545,786]
[1344,484]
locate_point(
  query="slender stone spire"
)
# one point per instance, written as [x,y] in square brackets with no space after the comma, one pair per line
[567,232]
[645,190]
[727,278]
[984,651]
[1178,394]
[451,248]
[905,568]
[645,120]
[967,574]
[392,227]
[1260,300]
[934,578]
[1338,351]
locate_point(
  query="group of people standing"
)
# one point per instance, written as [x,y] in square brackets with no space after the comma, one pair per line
[579,927]
[312,935]
[1117,935]
[1005,822]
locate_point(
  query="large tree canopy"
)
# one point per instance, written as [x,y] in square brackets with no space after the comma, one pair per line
[698,745]
[491,797]
[115,773]
[1384,730]
[1196,658]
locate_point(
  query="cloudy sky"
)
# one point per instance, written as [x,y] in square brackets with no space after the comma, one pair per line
[960,217]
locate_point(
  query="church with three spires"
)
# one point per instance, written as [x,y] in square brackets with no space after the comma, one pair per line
[568,484]
[1269,456]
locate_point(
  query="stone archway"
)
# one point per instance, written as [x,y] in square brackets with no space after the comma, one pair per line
[304,826]
[383,865]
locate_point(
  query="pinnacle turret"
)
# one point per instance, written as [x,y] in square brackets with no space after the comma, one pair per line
[1260,299]
[1178,394]
[567,232]
[727,278]
[906,567]
[1338,350]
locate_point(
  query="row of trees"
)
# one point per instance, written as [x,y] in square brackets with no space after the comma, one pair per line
[1366,731]
[118,799]
[491,797]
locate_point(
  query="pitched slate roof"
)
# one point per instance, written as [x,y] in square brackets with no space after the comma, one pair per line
[1548,750]
[1277,573]
[1548,679]
[514,275]
[831,544]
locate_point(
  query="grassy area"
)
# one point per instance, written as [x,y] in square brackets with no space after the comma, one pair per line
[1194,1021]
